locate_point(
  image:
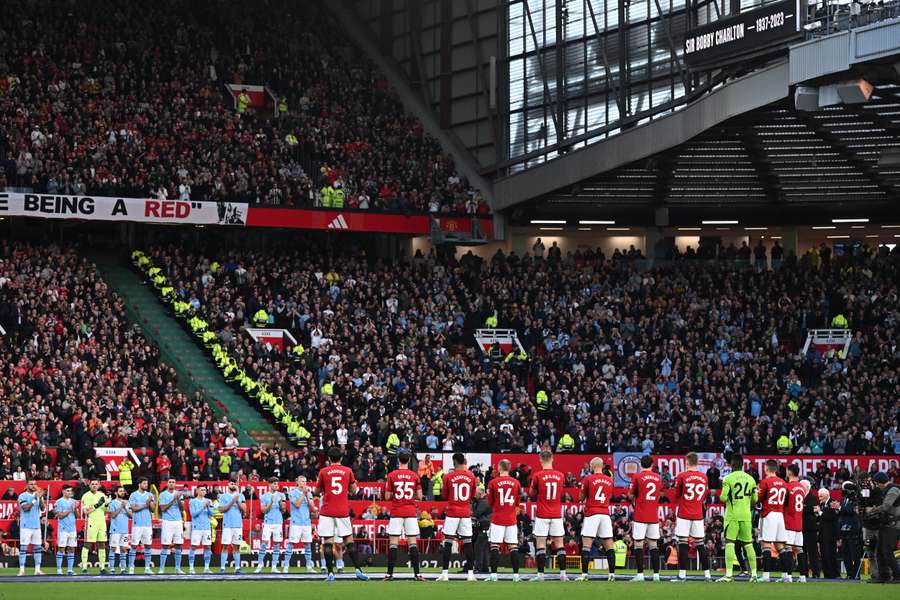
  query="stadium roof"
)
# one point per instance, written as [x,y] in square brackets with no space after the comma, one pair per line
[774,156]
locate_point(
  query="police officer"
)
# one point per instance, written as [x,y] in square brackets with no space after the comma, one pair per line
[889,532]
[848,522]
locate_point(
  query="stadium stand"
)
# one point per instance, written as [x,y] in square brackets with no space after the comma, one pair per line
[136,104]
[629,359]
[76,374]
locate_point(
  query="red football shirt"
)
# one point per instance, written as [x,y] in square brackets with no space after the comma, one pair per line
[547,488]
[772,494]
[691,490]
[334,486]
[503,496]
[646,487]
[793,506]
[596,490]
[459,489]
[403,484]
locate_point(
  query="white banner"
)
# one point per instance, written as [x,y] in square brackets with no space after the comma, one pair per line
[141,210]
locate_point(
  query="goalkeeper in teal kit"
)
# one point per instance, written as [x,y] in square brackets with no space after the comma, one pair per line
[739,494]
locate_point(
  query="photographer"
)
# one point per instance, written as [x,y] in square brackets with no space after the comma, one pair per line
[849,528]
[889,531]
[870,496]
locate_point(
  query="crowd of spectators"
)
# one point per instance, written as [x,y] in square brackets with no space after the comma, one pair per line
[76,375]
[661,360]
[109,98]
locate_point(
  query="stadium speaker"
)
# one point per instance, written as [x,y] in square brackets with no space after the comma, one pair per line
[662,217]
[855,92]
[806,98]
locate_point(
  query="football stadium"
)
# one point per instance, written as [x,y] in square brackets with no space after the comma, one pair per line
[449,298]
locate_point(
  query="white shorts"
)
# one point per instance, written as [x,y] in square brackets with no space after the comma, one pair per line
[273,532]
[794,538]
[403,525]
[172,532]
[29,536]
[232,536]
[641,531]
[771,528]
[458,527]
[67,539]
[119,540]
[597,526]
[330,527]
[504,534]
[300,533]
[685,528]
[549,527]
[201,537]
[141,536]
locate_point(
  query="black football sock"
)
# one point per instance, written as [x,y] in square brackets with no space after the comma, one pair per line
[354,555]
[328,550]
[495,559]
[445,556]
[768,561]
[392,559]
[802,565]
[787,563]
[741,555]
[654,560]
[585,560]
[514,559]
[611,560]
[414,559]
[561,560]
[682,556]
[704,556]
[469,553]
[639,559]
[541,558]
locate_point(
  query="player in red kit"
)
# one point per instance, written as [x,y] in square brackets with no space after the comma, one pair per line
[691,491]
[333,486]
[547,488]
[459,487]
[503,498]
[596,492]
[772,534]
[646,487]
[793,523]
[402,489]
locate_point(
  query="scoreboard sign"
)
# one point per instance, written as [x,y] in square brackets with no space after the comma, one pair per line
[731,39]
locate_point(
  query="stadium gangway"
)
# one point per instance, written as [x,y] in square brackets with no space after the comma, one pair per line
[828,339]
[507,338]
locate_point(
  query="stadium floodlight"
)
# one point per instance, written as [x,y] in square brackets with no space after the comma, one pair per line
[838,237]
[618,228]
[550,228]
[718,222]
[849,220]
[547,222]
[756,228]
[824,227]
[890,226]
[690,229]
[584,229]
[587,222]
[815,25]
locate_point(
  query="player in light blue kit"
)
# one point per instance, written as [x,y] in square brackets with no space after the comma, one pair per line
[233,508]
[141,506]
[67,531]
[172,533]
[300,530]
[201,533]
[272,505]
[119,542]
[31,503]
